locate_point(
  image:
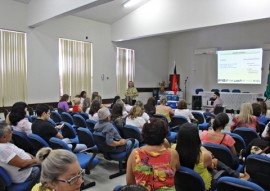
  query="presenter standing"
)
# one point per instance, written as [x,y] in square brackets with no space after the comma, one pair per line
[132,92]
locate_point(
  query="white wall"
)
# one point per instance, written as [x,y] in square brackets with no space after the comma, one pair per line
[201,69]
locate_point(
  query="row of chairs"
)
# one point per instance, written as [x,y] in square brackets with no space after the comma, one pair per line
[198,90]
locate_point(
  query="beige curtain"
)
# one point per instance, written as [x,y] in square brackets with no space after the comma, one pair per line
[13,67]
[75,66]
[125,69]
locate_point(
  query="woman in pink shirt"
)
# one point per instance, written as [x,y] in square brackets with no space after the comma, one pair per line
[216,136]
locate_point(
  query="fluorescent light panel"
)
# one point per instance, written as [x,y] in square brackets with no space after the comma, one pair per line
[131,3]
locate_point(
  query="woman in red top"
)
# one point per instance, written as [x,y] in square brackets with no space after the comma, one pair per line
[76,107]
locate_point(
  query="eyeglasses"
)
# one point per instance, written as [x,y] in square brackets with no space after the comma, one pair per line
[74,179]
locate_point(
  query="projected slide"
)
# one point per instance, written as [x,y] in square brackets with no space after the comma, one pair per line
[240,66]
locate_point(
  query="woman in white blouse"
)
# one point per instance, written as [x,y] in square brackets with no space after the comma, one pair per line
[182,110]
[134,117]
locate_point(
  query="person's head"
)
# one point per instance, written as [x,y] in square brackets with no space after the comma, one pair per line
[182,104]
[83,94]
[140,104]
[76,101]
[18,112]
[130,84]
[98,98]
[155,132]
[221,120]
[263,107]
[246,112]
[43,111]
[256,109]
[104,114]
[95,106]
[216,95]
[5,132]
[151,101]
[163,100]
[86,103]
[135,111]
[64,97]
[128,100]
[60,170]
[115,99]
[117,110]
[94,94]
[188,145]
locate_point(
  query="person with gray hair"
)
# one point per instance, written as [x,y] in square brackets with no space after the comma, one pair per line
[61,171]
[113,138]
[13,158]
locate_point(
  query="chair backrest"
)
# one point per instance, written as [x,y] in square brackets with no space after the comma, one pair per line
[56,117]
[37,142]
[5,179]
[230,183]
[85,137]
[79,121]
[225,90]
[236,91]
[261,127]
[90,124]
[239,142]
[56,143]
[84,115]
[178,120]
[130,131]
[214,90]
[222,153]
[160,116]
[60,110]
[218,109]
[247,134]
[68,131]
[258,167]
[186,179]
[199,116]
[66,117]
[21,140]
[52,122]
[198,90]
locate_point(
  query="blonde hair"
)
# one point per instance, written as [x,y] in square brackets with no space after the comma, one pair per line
[140,104]
[135,111]
[53,164]
[246,113]
[163,100]
[76,101]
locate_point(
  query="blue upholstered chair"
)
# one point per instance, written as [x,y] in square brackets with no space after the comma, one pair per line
[111,153]
[56,117]
[198,90]
[236,91]
[202,124]
[130,131]
[6,183]
[247,134]
[87,161]
[90,124]
[258,167]
[79,121]
[186,179]
[66,117]
[225,90]
[223,154]
[69,132]
[37,142]
[236,184]
[239,142]
[85,136]
[21,140]
[52,122]
[214,90]
[177,121]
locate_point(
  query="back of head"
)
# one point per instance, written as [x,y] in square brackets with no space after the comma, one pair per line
[17,112]
[245,112]
[155,132]
[54,163]
[217,94]
[86,103]
[221,120]
[41,108]
[256,109]
[188,145]
[117,110]
[95,106]
[151,101]
[140,104]
[163,100]
[115,99]
[83,94]
[3,128]
[135,111]
[263,107]
[94,94]
[103,113]
[64,97]
[182,104]
[76,101]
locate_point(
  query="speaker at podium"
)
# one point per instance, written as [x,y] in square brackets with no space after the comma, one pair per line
[196,102]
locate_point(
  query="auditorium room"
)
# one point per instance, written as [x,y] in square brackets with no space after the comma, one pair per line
[134,95]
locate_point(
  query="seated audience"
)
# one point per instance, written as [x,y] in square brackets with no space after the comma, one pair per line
[144,115]
[182,110]
[18,120]
[163,109]
[153,159]
[93,113]
[125,113]
[113,138]
[117,116]
[94,95]
[76,105]
[114,100]
[134,117]
[86,105]
[128,103]
[196,157]
[245,118]
[263,118]
[216,136]
[42,127]
[13,158]
[217,103]
[63,103]
[150,106]
[61,171]
[83,95]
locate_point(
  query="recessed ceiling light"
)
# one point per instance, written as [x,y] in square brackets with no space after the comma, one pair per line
[131,3]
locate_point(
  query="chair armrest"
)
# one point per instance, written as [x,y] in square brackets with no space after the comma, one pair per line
[93,150]
[87,151]
[175,127]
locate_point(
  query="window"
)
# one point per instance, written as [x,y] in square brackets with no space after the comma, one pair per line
[13,67]
[125,69]
[75,66]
